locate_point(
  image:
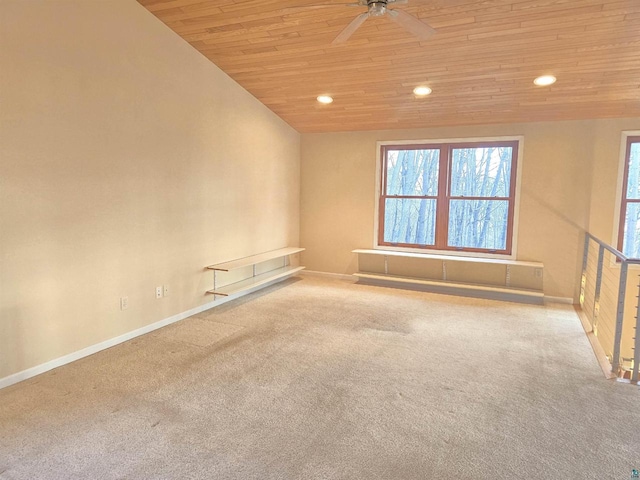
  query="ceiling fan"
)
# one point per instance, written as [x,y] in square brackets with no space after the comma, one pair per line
[378,8]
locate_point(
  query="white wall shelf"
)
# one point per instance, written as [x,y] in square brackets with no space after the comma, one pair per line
[256,281]
[480,277]
[255,259]
[257,278]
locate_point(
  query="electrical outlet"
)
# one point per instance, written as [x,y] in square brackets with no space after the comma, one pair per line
[124,303]
[166,290]
[538,272]
[159,292]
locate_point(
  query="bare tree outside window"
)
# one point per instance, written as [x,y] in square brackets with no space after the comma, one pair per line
[448,196]
[629,231]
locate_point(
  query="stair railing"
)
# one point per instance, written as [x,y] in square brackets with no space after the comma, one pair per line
[603,297]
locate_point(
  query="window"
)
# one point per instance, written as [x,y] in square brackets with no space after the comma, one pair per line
[451,196]
[629,230]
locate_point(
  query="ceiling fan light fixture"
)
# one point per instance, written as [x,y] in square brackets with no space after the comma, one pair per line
[422,91]
[545,80]
[325,99]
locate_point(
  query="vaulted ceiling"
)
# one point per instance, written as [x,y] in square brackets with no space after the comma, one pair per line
[480,64]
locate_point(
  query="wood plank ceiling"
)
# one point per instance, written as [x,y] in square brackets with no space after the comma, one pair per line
[480,64]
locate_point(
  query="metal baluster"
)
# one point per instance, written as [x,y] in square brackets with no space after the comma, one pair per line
[585,258]
[596,299]
[622,288]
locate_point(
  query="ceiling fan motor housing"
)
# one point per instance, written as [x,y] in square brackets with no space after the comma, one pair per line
[377,9]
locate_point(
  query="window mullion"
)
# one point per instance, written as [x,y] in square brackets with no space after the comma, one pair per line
[383,193]
[625,188]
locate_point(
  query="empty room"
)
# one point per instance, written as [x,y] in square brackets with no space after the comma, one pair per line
[298,239]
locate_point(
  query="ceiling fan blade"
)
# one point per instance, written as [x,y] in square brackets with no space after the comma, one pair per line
[411,24]
[352,27]
[324,5]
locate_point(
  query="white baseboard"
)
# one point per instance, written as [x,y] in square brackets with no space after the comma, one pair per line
[339,276]
[85,352]
[563,300]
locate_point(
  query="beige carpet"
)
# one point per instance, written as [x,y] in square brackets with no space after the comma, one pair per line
[322,379]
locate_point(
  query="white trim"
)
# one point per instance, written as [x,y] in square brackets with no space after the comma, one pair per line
[337,276]
[85,352]
[376,200]
[508,138]
[516,202]
[618,200]
[563,300]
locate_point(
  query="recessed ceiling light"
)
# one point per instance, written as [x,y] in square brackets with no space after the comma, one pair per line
[422,91]
[326,99]
[545,80]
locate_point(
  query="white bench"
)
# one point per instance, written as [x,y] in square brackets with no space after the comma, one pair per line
[483,277]
[258,278]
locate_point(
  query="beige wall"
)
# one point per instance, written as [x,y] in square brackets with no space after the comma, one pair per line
[606,173]
[338,192]
[127,160]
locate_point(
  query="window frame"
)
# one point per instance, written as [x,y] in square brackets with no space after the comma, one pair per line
[628,139]
[443,196]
